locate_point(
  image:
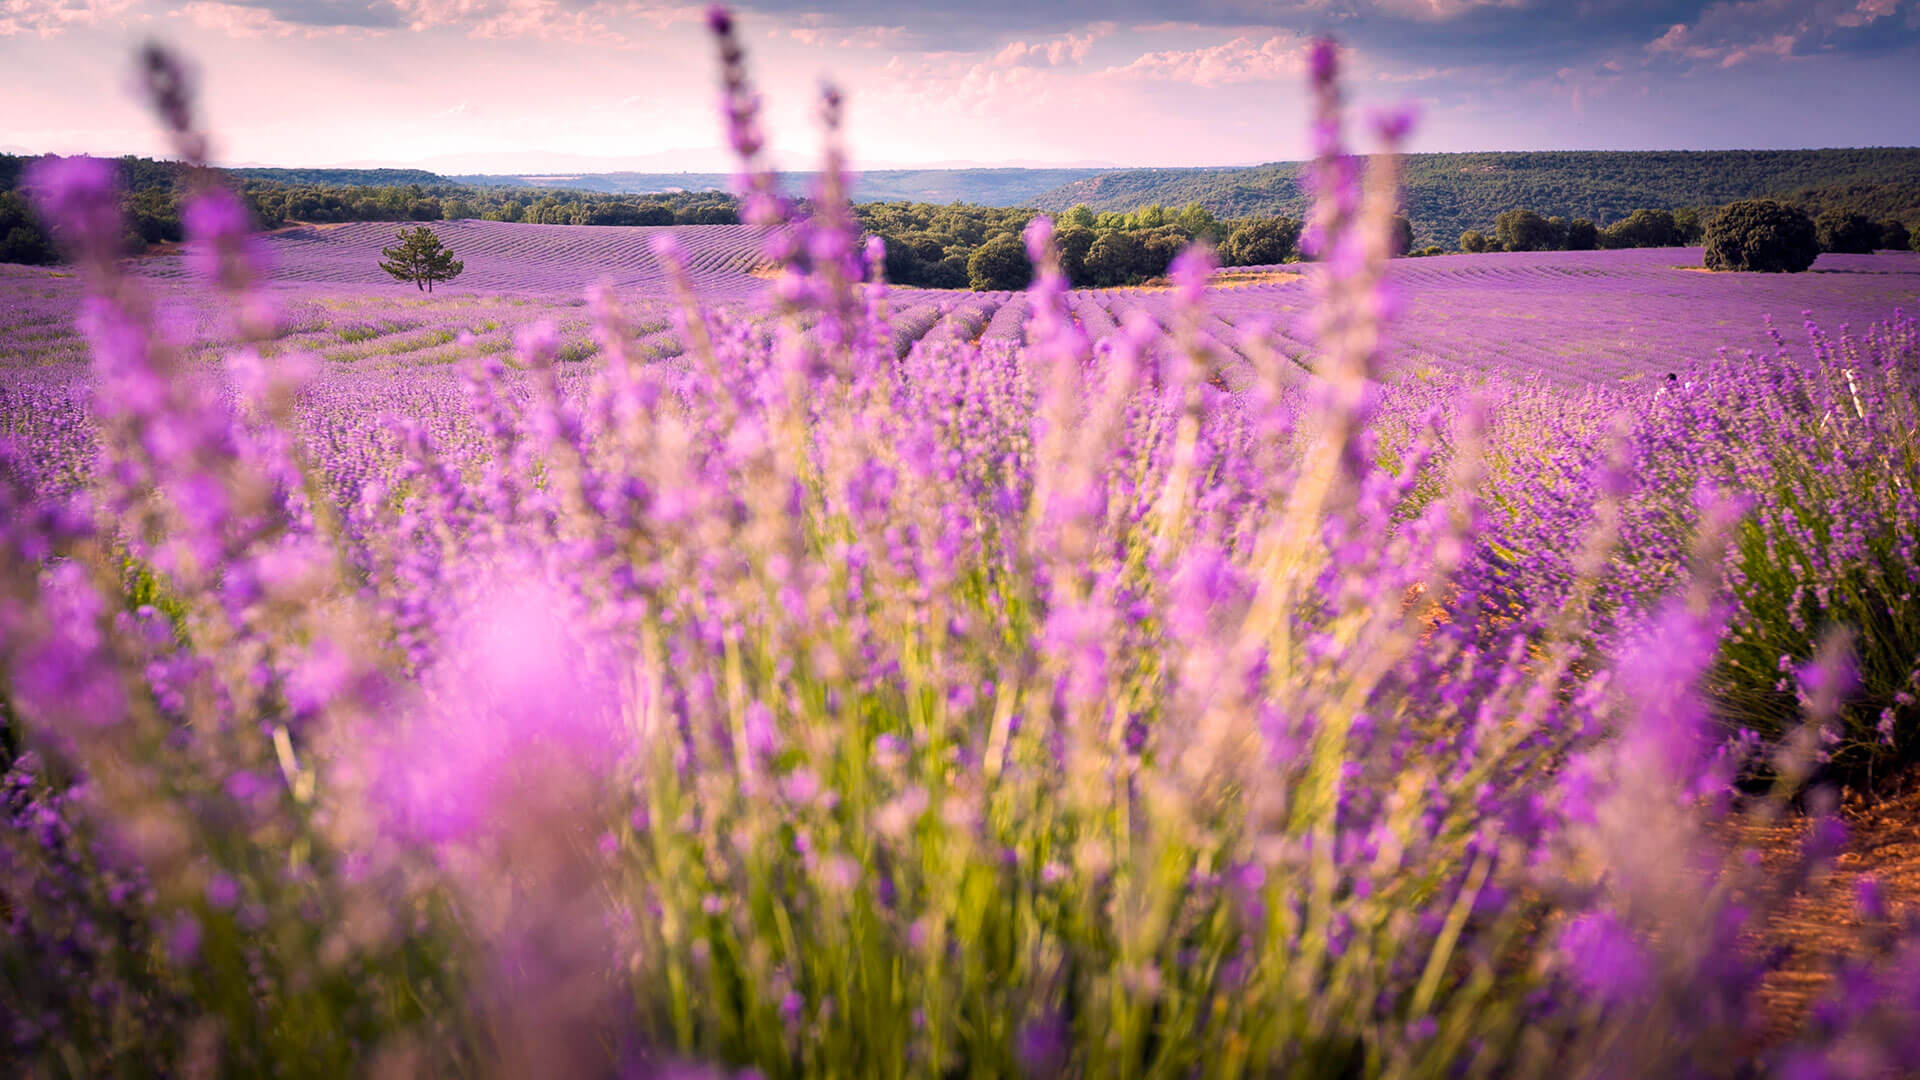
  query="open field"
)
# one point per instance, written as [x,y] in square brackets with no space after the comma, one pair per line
[503,257]
[1570,317]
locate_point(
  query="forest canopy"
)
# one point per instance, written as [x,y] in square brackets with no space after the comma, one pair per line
[1446,194]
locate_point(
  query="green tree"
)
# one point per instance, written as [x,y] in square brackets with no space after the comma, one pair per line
[1074,241]
[21,238]
[1197,220]
[421,259]
[949,273]
[1522,230]
[1762,235]
[1642,229]
[1687,220]
[1582,235]
[1114,257]
[1000,264]
[903,265]
[1081,215]
[1473,241]
[1158,248]
[1261,242]
[1402,235]
[1894,236]
[1851,234]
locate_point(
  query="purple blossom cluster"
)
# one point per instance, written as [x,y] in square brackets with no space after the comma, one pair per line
[868,682]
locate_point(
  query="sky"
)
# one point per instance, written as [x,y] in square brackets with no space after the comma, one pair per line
[592,85]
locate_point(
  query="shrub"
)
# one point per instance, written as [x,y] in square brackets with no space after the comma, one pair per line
[1642,228]
[1262,242]
[1158,248]
[1846,233]
[1114,258]
[1894,236]
[1688,222]
[1524,230]
[999,264]
[1074,242]
[1474,241]
[21,238]
[1761,235]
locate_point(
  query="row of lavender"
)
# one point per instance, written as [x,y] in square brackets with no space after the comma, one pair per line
[501,256]
[828,704]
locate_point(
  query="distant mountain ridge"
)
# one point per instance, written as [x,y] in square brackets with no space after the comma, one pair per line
[987,187]
[1446,194]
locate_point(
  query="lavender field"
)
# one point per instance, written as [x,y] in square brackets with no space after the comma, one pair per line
[1569,317]
[672,652]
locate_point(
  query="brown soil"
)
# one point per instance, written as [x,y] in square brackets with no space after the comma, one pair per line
[1222,279]
[1824,923]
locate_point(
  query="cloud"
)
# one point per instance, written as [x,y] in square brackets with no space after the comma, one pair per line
[326,14]
[236,20]
[1727,33]
[567,20]
[818,33]
[1442,10]
[49,17]
[1066,51]
[1530,38]
[1241,60]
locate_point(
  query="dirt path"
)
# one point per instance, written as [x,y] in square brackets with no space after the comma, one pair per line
[1825,922]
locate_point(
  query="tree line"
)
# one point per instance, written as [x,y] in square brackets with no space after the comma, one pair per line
[1836,229]
[277,202]
[152,193]
[955,246]
[1446,194]
[959,246]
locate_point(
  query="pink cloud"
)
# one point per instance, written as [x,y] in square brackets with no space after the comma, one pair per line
[1241,60]
[49,17]
[1867,11]
[1060,52]
[1732,32]
[547,19]
[1443,9]
[245,21]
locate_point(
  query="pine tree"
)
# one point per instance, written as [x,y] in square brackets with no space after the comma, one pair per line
[421,259]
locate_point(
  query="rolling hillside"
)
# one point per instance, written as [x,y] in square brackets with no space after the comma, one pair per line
[1448,193]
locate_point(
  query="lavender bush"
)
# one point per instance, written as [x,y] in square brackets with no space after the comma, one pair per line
[861,687]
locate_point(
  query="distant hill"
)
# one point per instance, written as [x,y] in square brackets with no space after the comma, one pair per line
[342,177]
[983,187]
[1449,193]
